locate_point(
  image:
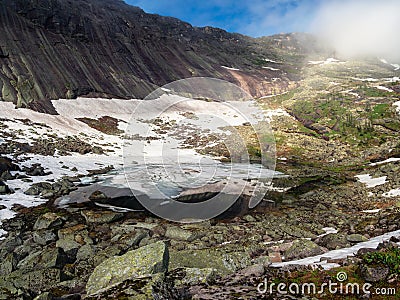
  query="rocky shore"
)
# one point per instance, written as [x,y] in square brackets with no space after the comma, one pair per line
[86,252]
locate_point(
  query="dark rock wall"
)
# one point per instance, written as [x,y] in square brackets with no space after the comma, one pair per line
[52,49]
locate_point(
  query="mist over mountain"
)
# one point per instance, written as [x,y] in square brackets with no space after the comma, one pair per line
[53,49]
[360,28]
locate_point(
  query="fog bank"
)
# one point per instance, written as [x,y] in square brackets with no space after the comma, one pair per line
[361,27]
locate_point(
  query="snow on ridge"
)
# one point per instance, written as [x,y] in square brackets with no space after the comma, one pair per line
[396,66]
[230,68]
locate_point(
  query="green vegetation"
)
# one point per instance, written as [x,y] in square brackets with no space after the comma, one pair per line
[390,258]
[254,151]
[367,91]
[381,111]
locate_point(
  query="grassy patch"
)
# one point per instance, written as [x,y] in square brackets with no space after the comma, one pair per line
[389,258]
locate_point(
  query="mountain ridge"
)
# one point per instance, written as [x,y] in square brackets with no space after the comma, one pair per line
[52,49]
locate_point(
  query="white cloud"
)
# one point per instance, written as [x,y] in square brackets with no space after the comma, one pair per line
[361,27]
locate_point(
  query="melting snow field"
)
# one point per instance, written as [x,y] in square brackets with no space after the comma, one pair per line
[154,153]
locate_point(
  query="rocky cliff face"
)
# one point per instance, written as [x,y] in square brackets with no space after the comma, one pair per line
[52,49]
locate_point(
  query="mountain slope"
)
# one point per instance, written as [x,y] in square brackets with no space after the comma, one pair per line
[52,49]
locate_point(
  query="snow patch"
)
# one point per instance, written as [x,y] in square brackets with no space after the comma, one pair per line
[371,182]
[396,66]
[270,68]
[398,106]
[270,60]
[371,211]
[321,260]
[271,96]
[328,230]
[392,193]
[383,88]
[389,160]
[393,79]
[230,68]
[365,79]
[269,114]
[328,61]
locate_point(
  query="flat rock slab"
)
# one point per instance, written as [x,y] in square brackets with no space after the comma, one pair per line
[101,217]
[147,260]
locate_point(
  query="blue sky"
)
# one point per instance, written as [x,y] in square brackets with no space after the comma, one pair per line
[251,17]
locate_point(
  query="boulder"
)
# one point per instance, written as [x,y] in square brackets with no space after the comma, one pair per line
[373,273]
[224,262]
[143,288]
[334,241]
[303,248]
[6,175]
[147,260]
[6,164]
[47,221]
[101,217]
[72,238]
[37,188]
[37,281]
[356,238]
[177,233]
[194,276]
[44,259]
[44,296]
[35,170]
[98,196]
[9,264]
[44,237]
[4,189]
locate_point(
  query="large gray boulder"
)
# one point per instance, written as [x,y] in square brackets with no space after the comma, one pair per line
[145,261]
[223,262]
[303,248]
